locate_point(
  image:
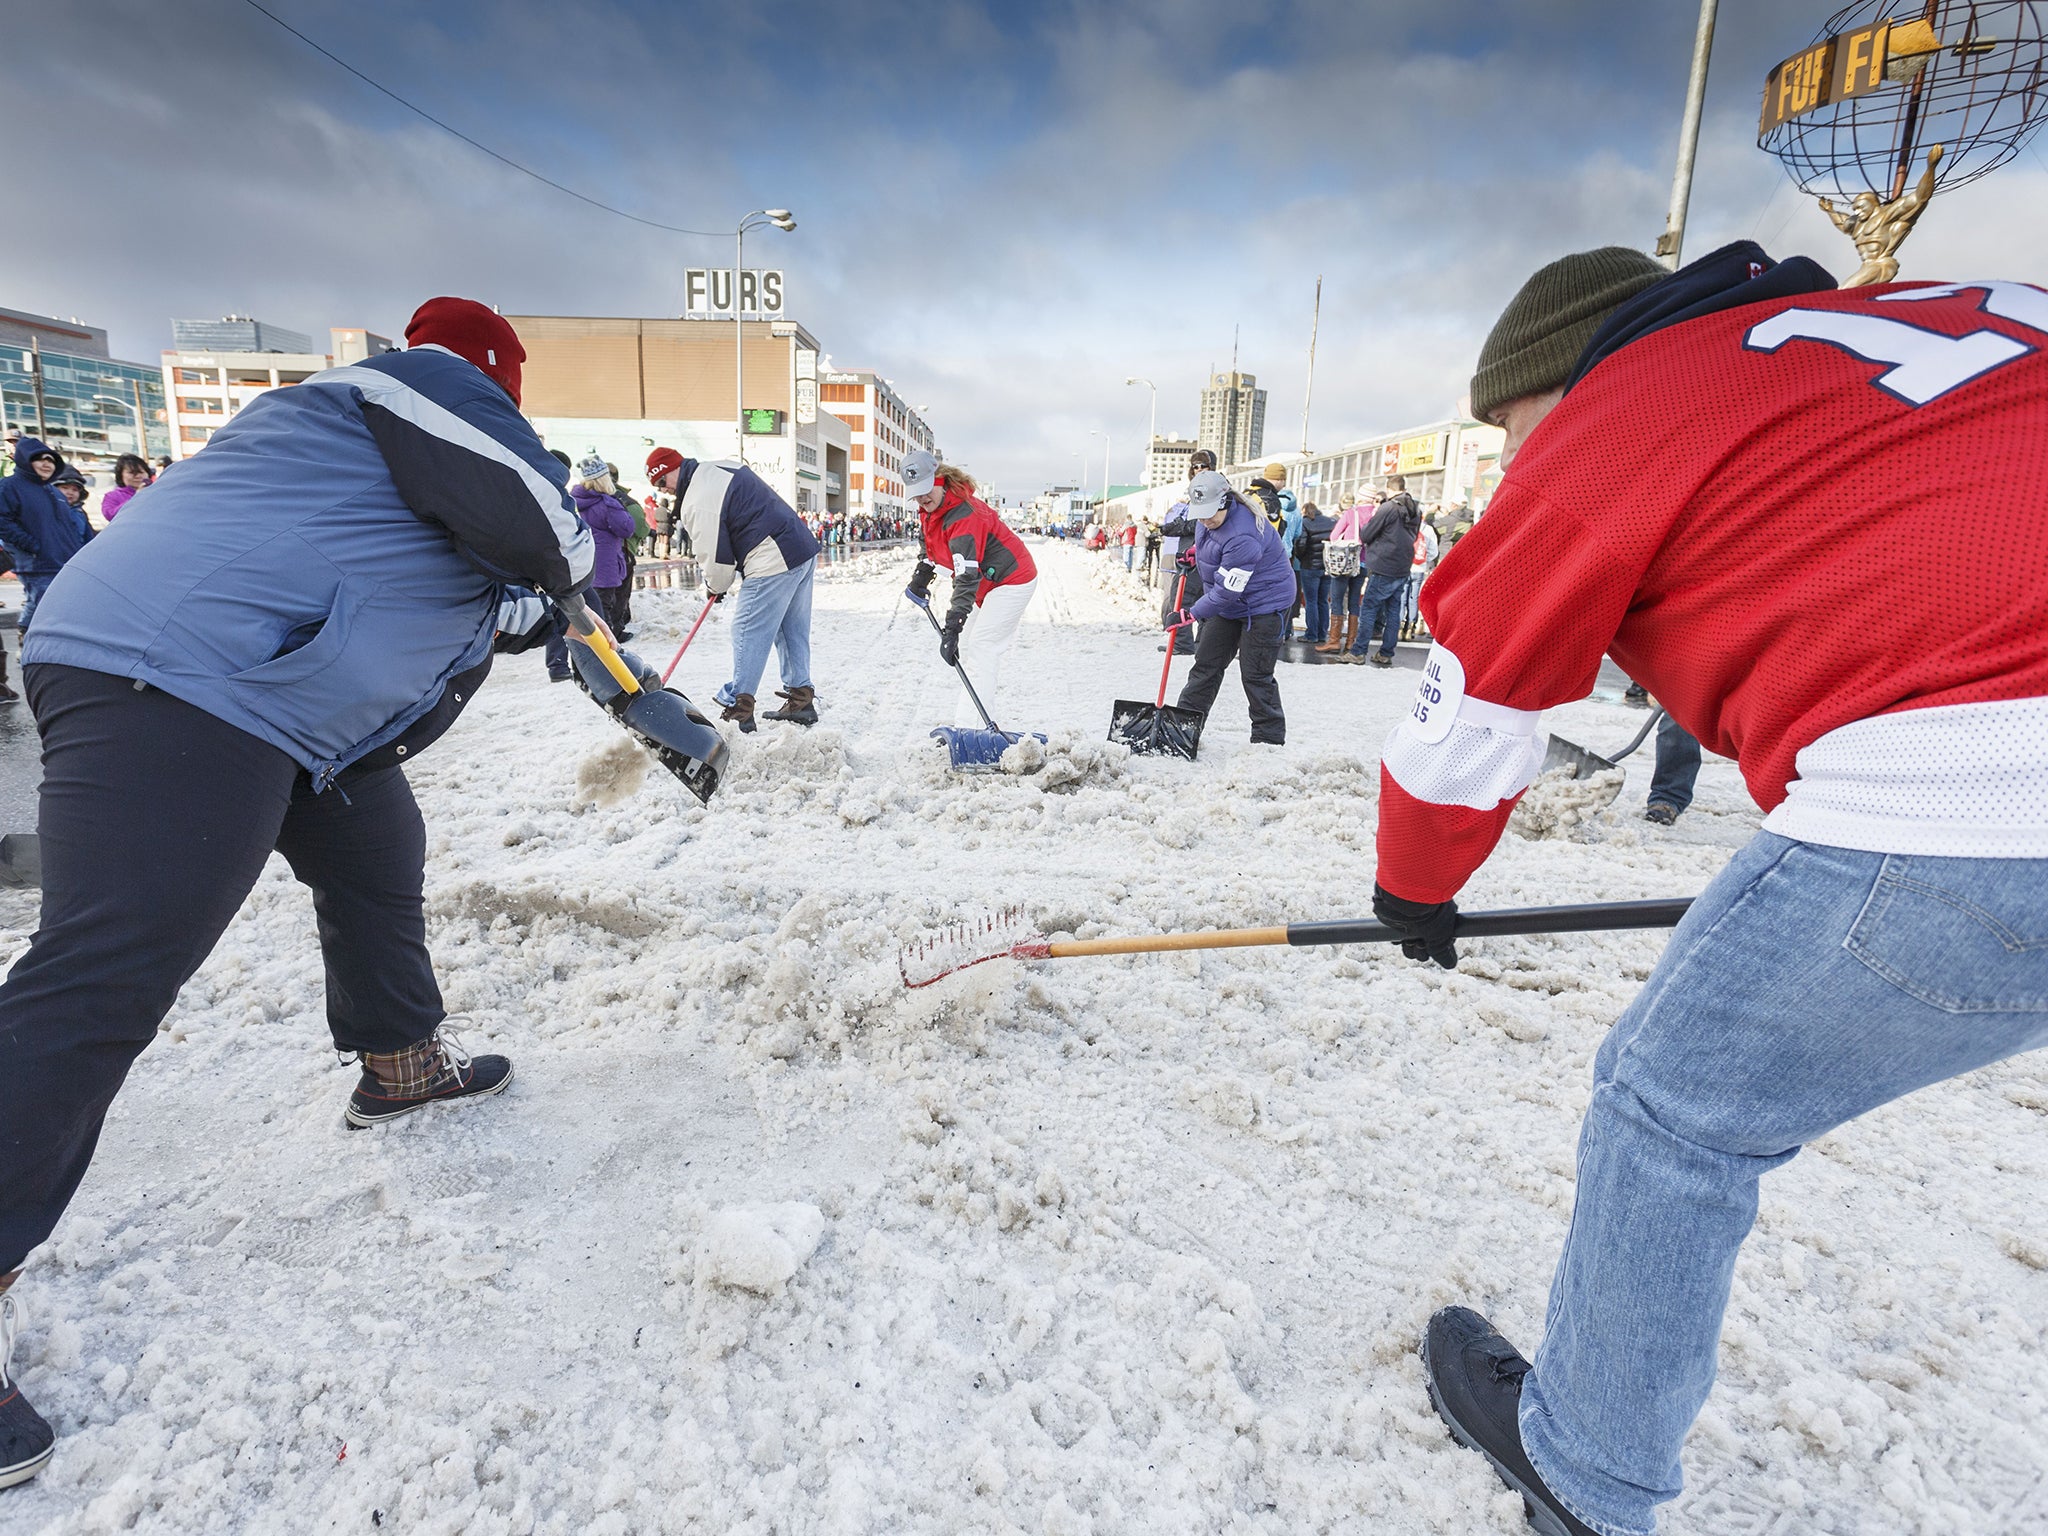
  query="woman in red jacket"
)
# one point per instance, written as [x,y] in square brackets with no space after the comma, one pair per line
[993,574]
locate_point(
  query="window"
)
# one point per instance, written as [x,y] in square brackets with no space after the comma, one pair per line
[858,453]
[192,376]
[195,435]
[859,482]
[853,393]
[856,423]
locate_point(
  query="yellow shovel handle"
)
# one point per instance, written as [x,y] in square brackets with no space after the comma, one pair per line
[586,628]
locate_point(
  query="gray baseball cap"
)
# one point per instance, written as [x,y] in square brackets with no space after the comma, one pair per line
[919,471]
[1207,493]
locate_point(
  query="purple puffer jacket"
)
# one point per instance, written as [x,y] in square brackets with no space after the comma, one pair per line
[610,526]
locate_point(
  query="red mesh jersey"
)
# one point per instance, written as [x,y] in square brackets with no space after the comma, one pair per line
[1781,519]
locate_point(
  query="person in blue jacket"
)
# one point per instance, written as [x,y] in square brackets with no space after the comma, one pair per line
[1247,591]
[39,527]
[244,664]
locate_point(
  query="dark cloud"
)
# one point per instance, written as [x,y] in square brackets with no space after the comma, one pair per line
[1008,209]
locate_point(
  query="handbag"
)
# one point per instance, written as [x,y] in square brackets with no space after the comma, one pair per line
[1340,557]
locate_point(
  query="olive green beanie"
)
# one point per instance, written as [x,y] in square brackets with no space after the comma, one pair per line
[1545,327]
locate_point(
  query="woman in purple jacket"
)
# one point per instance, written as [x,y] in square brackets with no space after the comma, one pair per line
[1247,593]
[610,525]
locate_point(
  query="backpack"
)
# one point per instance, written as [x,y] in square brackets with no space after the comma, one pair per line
[1340,557]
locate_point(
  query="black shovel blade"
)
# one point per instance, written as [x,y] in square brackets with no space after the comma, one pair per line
[1569,754]
[685,742]
[1156,730]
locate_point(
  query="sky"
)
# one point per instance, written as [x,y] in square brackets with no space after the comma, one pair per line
[1005,209]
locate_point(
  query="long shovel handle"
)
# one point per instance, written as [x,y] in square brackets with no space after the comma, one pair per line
[577,612]
[673,664]
[1640,736]
[980,707]
[1591,917]
[1172,639]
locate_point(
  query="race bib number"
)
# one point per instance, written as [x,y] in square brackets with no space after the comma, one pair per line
[1437,697]
[1235,580]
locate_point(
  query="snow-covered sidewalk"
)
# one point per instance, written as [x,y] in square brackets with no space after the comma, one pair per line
[759,1242]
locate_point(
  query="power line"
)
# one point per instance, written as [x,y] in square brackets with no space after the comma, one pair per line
[524,170]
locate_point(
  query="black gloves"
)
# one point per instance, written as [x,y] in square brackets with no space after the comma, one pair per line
[920,589]
[713,597]
[1425,926]
[1180,618]
[1186,558]
[949,642]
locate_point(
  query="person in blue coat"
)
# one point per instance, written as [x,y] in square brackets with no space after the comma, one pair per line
[39,527]
[1247,591]
[243,664]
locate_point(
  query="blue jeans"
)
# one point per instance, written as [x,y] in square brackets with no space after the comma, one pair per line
[771,611]
[1130,556]
[1383,598]
[1807,986]
[1678,765]
[1341,593]
[1316,617]
[32,590]
[1411,609]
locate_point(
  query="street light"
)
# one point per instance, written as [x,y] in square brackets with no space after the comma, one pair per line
[1152,431]
[1103,433]
[141,430]
[760,218]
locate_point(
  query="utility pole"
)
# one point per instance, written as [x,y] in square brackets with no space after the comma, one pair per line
[1672,240]
[1314,326]
[35,379]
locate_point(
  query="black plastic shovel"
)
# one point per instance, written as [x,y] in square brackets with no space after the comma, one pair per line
[684,742]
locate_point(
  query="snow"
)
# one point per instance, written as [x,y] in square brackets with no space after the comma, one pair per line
[757,1241]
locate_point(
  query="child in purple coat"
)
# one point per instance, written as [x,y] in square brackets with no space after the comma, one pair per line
[610,525]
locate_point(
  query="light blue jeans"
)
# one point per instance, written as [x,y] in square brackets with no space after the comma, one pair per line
[771,611]
[1806,986]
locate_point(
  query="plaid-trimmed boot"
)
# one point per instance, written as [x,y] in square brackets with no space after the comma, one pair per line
[399,1082]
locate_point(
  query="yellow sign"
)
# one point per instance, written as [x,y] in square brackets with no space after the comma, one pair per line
[1834,69]
[1419,453]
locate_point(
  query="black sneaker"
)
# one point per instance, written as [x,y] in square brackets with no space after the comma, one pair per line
[1475,1384]
[435,1069]
[26,1439]
[1663,815]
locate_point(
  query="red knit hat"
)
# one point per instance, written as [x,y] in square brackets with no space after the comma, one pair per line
[473,332]
[661,461]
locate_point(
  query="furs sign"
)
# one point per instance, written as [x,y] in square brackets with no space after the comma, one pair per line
[708,291]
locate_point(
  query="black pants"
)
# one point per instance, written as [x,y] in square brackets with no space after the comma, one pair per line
[1184,641]
[1255,645]
[156,819]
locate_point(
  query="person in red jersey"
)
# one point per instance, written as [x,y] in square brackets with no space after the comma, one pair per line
[993,574]
[1744,486]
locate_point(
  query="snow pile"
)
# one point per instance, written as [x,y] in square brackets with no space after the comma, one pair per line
[1558,805]
[1067,760]
[759,1247]
[757,1240]
[612,773]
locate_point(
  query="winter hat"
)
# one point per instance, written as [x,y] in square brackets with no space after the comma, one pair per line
[1207,494]
[662,461]
[1275,473]
[1545,327]
[920,473]
[474,333]
[592,468]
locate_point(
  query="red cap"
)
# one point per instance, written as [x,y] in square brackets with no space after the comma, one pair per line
[661,461]
[473,332]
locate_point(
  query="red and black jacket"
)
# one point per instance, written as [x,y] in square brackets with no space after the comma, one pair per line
[967,537]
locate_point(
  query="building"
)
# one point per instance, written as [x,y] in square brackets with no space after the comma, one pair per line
[616,387]
[58,383]
[1233,421]
[1446,461]
[237,333]
[1166,460]
[884,429]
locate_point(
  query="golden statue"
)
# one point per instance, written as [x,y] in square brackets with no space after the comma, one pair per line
[1880,228]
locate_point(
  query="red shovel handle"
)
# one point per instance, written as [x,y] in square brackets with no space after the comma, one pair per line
[1172,638]
[688,638]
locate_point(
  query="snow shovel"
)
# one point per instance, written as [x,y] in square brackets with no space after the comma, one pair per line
[1584,764]
[1159,728]
[969,750]
[1004,937]
[682,739]
[677,661]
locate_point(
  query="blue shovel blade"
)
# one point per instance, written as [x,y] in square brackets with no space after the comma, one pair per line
[970,748]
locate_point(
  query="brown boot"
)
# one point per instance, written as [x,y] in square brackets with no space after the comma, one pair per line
[1336,640]
[799,706]
[741,709]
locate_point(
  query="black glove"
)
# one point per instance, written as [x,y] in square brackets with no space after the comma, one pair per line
[920,589]
[1180,618]
[949,642]
[714,597]
[1185,560]
[1425,926]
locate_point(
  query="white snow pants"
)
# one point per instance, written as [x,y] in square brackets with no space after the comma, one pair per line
[990,629]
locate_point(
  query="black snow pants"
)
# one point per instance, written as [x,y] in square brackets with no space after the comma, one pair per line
[156,819]
[1184,642]
[1255,645]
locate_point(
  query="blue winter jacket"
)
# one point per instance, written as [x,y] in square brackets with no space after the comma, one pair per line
[331,562]
[38,527]
[738,525]
[1246,571]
